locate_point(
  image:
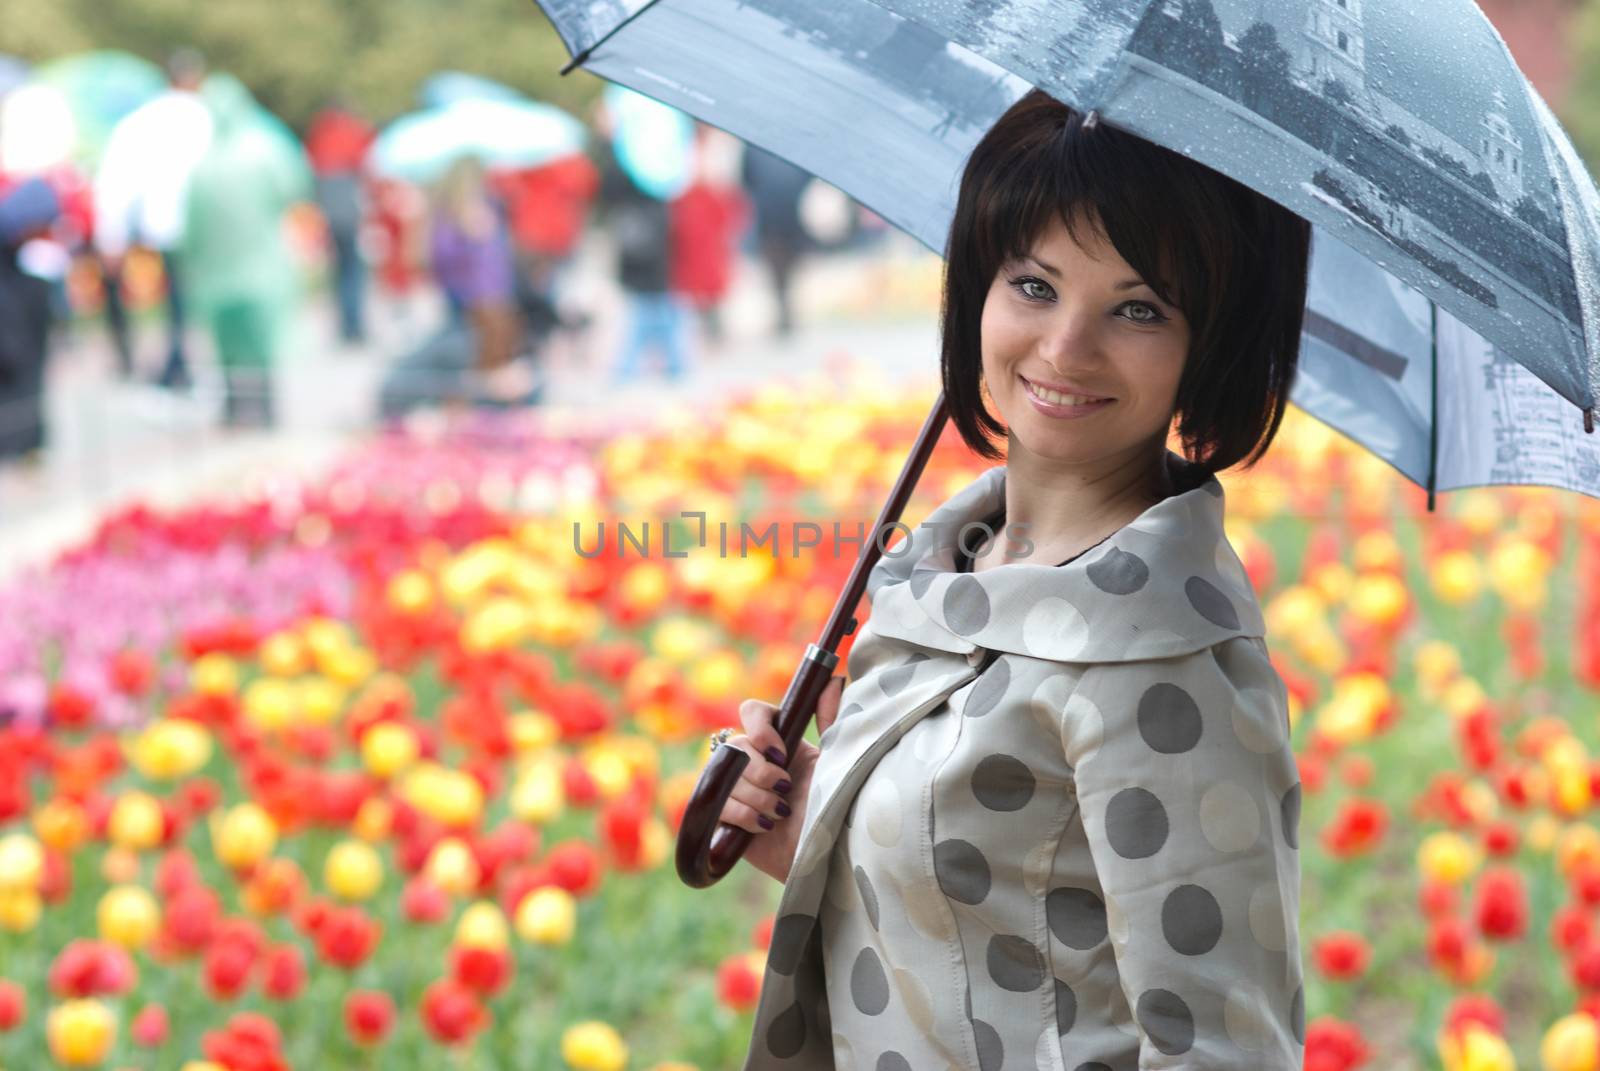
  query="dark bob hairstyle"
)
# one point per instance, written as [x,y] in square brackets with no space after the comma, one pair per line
[1234,261]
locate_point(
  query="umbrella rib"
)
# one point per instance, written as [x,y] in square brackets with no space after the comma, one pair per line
[579,59]
[1433,420]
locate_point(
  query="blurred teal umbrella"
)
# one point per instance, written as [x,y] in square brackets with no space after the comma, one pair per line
[653,142]
[13,72]
[101,87]
[449,87]
[503,134]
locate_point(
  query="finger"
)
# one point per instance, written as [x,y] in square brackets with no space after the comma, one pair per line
[745,817]
[765,776]
[761,800]
[757,718]
[828,704]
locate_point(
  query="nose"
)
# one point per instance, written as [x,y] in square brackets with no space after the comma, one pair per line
[1067,343]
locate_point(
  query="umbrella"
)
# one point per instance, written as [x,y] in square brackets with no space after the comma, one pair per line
[504,134]
[37,130]
[1453,311]
[101,88]
[654,143]
[448,87]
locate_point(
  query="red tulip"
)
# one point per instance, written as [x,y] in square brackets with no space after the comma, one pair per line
[1356,829]
[249,1042]
[450,1011]
[1501,909]
[575,867]
[1332,1045]
[424,902]
[348,937]
[1341,955]
[283,973]
[485,971]
[151,1027]
[13,1005]
[132,671]
[227,969]
[89,968]
[738,985]
[368,1016]
[1570,927]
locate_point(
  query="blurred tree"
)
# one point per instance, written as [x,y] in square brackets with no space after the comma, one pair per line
[295,54]
[1580,111]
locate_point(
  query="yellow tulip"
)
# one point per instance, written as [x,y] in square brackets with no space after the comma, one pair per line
[1479,511]
[593,1046]
[170,748]
[499,623]
[1377,550]
[1456,576]
[271,704]
[1379,598]
[1542,832]
[244,835]
[283,654]
[1462,696]
[21,862]
[452,866]
[80,1033]
[531,730]
[1571,1044]
[538,796]
[349,666]
[353,870]
[1476,1049]
[547,916]
[203,1065]
[410,592]
[388,748]
[325,636]
[214,674]
[449,796]
[135,821]
[608,769]
[321,700]
[1448,857]
[128,916]
[19,910]
[483,925]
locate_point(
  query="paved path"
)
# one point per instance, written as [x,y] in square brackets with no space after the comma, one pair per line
[113,442]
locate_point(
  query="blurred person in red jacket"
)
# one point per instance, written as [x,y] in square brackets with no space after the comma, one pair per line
[337,144]
[548,206]
[707,221]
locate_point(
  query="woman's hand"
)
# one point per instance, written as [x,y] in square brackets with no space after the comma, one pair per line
[767,789]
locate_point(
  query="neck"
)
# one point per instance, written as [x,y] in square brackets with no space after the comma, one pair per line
[1065,511]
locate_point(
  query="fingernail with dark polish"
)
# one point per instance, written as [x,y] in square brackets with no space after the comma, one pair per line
[782,787]
[764,821]
[774,755]
[783,809]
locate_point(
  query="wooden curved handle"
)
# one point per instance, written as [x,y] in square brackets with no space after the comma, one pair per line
[708,848]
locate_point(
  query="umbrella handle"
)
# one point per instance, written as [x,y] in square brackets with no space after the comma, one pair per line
[707,847]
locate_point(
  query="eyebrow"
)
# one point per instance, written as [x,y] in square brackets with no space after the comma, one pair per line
[1126,284]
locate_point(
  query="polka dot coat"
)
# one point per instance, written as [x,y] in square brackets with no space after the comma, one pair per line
[1055,825]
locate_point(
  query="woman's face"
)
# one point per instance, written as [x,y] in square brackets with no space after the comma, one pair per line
[1064,319]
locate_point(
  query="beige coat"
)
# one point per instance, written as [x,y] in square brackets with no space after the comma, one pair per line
[1055,826]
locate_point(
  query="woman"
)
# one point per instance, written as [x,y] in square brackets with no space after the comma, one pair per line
[1055,824]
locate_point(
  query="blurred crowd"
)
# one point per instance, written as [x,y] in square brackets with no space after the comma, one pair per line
[124,187]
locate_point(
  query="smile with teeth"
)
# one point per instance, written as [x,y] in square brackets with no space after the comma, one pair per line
[1055,398]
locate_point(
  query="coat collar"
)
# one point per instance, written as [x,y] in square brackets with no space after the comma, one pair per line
[1168,583]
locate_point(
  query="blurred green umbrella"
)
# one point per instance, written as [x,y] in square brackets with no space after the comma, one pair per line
[100,87]
[503,134]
